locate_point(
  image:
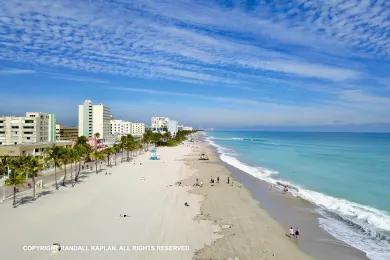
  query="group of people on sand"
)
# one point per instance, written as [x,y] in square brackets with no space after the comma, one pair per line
[212,181]
[294,232]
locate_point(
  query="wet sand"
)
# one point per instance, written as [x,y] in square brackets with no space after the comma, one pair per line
[248,231]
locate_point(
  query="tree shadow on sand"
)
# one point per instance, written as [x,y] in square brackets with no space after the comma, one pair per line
[30,199]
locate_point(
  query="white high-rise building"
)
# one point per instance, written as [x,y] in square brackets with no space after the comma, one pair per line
[95,119]
[35,127]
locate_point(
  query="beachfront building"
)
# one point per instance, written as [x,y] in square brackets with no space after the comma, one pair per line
[164,124]
[120,127]
[95,119]
[159,124]
[34,127]
[66,133]
[137,129]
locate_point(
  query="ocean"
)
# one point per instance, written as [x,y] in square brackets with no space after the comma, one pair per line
[347,175]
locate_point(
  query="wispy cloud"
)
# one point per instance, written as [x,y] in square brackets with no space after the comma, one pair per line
[15,71]
[143,39]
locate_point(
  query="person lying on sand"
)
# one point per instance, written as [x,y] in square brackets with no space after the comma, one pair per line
[186,204]
[124,215]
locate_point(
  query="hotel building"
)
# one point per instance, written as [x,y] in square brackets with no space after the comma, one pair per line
[34,127]
[163,124]
[159,124]
[121,128]
[137,129]
[95,119]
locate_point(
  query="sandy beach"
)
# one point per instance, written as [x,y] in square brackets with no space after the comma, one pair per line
[222,221]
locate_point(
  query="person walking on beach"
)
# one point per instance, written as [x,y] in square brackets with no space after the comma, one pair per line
[297,233]
[228,181]
[218,179]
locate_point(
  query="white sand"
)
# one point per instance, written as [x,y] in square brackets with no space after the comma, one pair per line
[88,214]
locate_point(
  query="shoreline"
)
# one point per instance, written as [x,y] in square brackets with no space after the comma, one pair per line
[289,210]
[247,230]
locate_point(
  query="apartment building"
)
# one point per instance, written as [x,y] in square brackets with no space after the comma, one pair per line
[120,127]
[34,127]
[137,129]
[95,119]
[163,124]
[159,124]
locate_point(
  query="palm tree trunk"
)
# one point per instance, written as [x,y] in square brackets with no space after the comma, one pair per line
[71,173]
[33,180]
[63,181]
[14,202]
[76,178]
[55,176]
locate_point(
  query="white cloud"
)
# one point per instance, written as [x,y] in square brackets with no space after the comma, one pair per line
[15,71]
[143,40]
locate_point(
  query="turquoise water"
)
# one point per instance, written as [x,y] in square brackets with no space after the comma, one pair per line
[346,174]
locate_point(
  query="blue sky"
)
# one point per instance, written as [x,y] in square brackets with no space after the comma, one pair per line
[227,64]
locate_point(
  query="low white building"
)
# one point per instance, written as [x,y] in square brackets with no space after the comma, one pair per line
[137,129]
[121,128]
[34,127]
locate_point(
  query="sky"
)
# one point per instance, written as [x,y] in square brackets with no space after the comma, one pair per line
[293,64]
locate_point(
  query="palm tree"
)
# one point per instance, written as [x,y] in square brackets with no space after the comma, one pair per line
[34,165]
[65,159]
[116,148]
[4,164]
[156,138]
[97,155]
[108,151]
[81,152]
[128,144]
[53,156]
[72,159]
[16,176]
[147,138]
